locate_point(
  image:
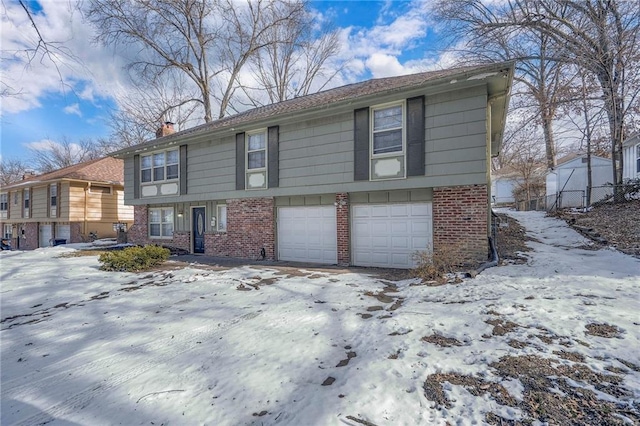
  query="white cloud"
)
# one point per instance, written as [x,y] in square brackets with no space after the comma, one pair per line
[73,109]
[382,65]
[74,64]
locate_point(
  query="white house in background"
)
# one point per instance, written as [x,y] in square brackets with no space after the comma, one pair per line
[631,158]
[569,179]
[503,182]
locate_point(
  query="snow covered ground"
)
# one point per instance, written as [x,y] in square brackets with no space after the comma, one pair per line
[258,345]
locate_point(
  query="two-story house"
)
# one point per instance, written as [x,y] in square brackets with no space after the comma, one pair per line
[66,204]
[365,174]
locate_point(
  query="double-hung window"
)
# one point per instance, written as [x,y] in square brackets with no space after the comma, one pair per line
[388,141]
[256,144]
[8,231]
[638,158]
[161,222]
[159,166]
[26,202]
[4,205]
[53,200]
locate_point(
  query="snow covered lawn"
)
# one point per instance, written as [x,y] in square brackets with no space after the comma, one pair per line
[556,339]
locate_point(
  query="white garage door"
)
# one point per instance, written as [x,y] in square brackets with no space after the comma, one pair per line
[388,235]
[63,232]
[45,235]
[307,234]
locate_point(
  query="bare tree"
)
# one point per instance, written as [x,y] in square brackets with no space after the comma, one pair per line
[540,78]
[601,36]
[11,171]
[294,62]
[57,155]
[209,42]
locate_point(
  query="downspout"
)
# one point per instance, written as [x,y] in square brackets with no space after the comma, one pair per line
[490,264]
[84,227]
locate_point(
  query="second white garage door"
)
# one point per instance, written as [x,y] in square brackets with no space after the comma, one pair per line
[307,234]
[387,235]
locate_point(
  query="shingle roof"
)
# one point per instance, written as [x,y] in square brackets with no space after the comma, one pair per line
[107,169]
[328,97]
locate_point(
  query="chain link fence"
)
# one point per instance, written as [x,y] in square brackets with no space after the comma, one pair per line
[578,198]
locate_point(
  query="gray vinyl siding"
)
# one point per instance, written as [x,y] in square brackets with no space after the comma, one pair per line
[316,156]
[129,178]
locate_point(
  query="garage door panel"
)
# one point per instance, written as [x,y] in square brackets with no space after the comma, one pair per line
[388,235]
[307,234]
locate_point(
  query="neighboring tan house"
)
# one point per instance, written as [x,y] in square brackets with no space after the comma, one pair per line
[631,158]
[365,174]
[66,204]
[568,181]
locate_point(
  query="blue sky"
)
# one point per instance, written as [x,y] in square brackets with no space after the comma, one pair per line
[72,100]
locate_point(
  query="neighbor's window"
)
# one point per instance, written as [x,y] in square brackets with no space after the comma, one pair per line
[53,200]
[8,231]
[159,166]
[4,205]
[222,218]
[100,189]
[638,158]
[26,203]
[161,222]
[387,130]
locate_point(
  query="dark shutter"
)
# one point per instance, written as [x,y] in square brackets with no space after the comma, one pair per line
[272,168]
[240,161]
[183,169]
[361,144]
[415,136]
[136,176]
[49,200]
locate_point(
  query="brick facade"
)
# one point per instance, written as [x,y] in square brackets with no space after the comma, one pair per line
[29,240]
[75,229]
[139,232]
[250,228]
[182,240]
[460,220]
[343,230]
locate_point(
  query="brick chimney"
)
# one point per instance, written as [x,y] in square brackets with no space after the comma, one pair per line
[28,174]
[165,129]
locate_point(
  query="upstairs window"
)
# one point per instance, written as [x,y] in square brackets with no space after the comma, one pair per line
[638,159]
[26,203]
[53,200]
[256,147]
[387,130]
[159,166]
[4,205]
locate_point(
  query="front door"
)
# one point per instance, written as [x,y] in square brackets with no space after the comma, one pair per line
[198,229]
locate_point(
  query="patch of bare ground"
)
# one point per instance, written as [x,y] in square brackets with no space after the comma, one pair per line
[553,392]
[618,224]
[603,330]
[511,239]
[442,341]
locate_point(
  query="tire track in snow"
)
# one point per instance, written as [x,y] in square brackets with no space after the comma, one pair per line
[83,398]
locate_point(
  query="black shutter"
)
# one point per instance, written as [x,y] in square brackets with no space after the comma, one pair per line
[415,136]
[361,144]
[272,168]
[136,176]
[240,161]
[183,169]
[49,200]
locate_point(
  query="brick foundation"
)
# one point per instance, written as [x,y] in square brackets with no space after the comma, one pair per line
[182,240]
[343,232]
[250,228]
[460,221]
